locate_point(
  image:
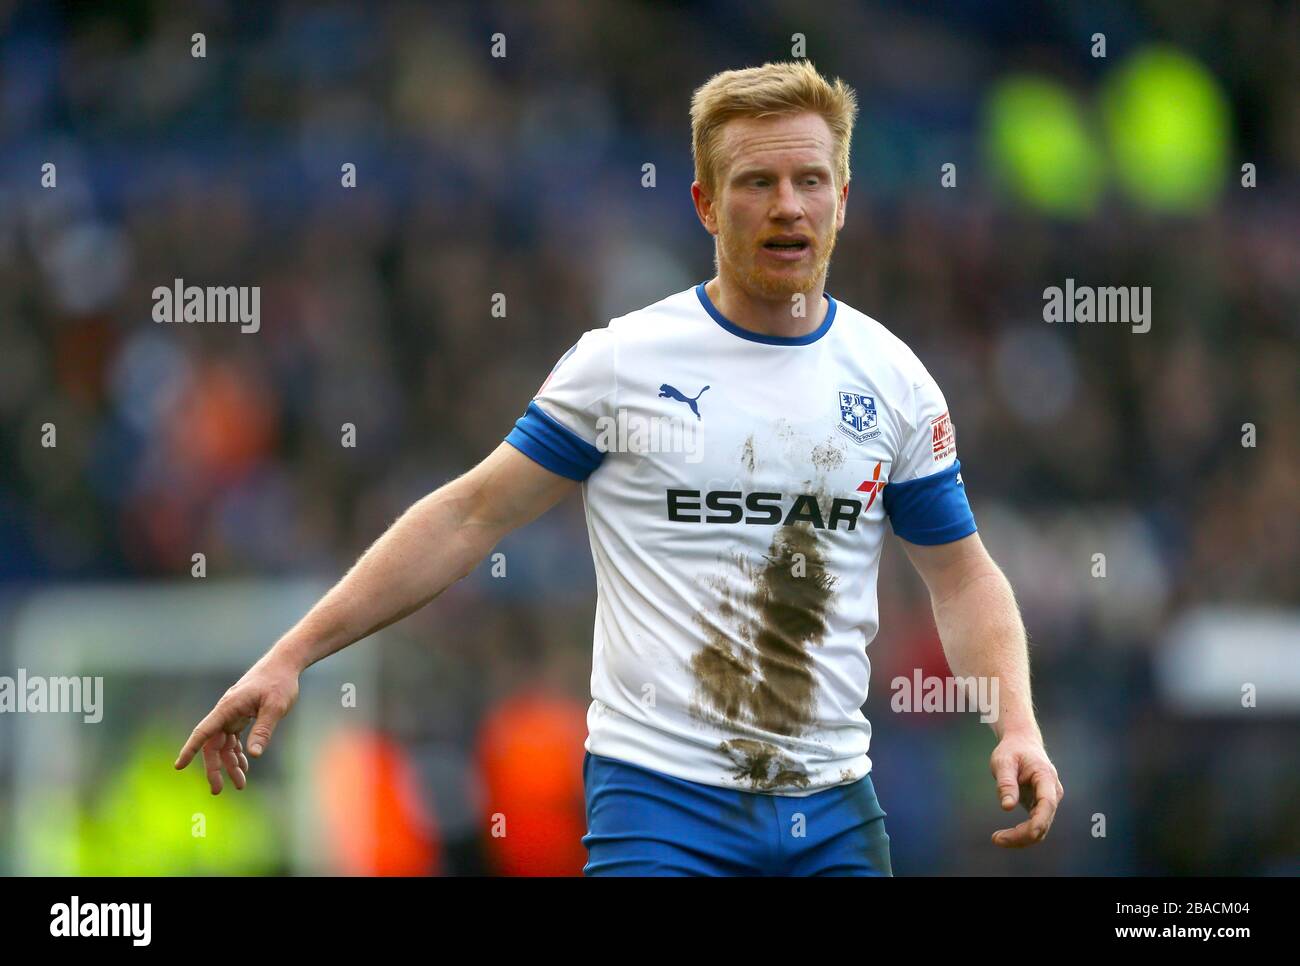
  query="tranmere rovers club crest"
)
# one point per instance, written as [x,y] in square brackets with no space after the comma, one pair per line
[858,416]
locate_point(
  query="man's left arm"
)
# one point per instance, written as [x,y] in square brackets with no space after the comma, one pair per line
[983,637]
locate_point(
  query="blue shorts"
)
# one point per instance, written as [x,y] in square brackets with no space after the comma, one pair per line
[642,822]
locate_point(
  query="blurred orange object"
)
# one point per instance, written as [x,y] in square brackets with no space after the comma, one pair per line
[226,422]
[375,815]
[530,752]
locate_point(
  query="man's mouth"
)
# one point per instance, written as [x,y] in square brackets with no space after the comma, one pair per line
[787,248]
[786,243]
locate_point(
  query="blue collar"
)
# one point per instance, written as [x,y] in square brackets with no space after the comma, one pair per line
[734,329]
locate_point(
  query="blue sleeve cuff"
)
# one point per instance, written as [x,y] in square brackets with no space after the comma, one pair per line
[553,446]
[930,510]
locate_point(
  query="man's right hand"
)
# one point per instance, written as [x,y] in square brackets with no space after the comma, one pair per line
[263,695]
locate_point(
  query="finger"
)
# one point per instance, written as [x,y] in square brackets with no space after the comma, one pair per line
[237,757]
[226,752]
[203,731]
[1006,774]
[267,717]
[1014,838]
[1033,829]
[238,746]
[230,759]
[1040,820]
[212,762]
[1044,810]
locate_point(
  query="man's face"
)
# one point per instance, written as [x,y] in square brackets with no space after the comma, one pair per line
[776,211]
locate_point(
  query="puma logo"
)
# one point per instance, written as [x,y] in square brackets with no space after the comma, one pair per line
[668,392]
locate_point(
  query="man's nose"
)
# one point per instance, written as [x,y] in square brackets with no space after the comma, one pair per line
[786,206]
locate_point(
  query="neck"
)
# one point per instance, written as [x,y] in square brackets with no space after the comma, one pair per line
[775,316]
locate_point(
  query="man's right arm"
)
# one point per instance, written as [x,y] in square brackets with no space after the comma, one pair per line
[437,541]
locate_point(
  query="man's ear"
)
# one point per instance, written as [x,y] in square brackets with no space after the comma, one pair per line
[704,208]
[844,204]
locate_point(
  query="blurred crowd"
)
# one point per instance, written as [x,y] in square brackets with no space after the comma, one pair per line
[522,176]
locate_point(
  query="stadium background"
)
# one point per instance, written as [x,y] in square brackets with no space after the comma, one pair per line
[523,175]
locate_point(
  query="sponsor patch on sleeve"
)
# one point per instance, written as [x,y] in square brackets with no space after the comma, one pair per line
[945,442]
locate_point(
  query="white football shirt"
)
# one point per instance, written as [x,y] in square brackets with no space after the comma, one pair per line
[736,488]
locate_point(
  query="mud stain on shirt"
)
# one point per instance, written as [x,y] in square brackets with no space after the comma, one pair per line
[762,766]
[827,456]
[756,667]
